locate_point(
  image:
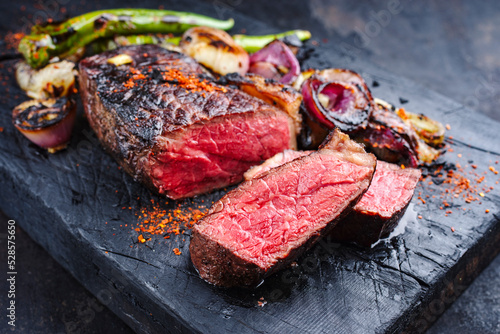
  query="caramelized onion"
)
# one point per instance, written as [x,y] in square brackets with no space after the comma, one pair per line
[337,104]
[280,57]
[46,123]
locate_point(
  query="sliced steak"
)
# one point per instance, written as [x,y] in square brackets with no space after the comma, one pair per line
[379,210]
[171,127]
[275,161]
[267,222]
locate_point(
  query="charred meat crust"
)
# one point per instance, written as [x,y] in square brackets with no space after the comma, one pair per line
[270,91]
[160,95]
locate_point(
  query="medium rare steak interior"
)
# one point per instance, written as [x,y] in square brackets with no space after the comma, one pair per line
[171,127]
[267,222]
[379,210]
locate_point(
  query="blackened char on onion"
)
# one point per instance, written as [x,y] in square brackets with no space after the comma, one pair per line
[338,98]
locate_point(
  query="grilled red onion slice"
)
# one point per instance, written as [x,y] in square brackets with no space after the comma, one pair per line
[46,123]
[337,104]
[264,69]
[279,55]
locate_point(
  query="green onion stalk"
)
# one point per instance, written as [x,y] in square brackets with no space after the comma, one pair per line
[62,39]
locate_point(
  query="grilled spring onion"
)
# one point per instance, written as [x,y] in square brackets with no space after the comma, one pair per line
[255,43]
[65,38]
[165,41]
[46,123]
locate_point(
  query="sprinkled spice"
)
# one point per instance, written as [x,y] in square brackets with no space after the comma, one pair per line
[177,251]
[458,185]
[157,220]
[12,40]
[190,82]
[452,229]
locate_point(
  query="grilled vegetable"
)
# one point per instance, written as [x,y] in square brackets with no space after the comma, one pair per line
[63,39]
[54,80]
[275,61]
[393,140]
[165,41]
[338,98]
[215,49]
[47,123]
[431,131]
[255,43]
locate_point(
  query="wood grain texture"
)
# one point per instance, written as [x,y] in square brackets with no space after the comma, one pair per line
[68,197]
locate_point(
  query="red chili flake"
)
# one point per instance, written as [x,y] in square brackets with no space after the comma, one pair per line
[141,239]
[448,127]
[491,168]
[177,251]
[419,216]
[487,210]
[452,229]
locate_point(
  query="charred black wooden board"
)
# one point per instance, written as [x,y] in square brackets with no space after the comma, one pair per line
[64,200]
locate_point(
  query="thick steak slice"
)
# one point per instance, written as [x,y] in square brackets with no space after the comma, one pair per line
[379,210]
[171,127]
[267,222]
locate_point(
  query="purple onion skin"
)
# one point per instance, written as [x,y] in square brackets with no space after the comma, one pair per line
[388,145]
[278,53]
[53,134]
[264,69]
[312,105]
[342,110]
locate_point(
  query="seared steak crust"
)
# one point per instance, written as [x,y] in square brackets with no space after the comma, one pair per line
[162,112]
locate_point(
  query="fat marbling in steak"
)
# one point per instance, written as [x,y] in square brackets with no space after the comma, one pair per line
[171,127]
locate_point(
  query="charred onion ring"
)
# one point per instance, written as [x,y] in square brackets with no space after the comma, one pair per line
[338,98]
[46,123]
[275,61]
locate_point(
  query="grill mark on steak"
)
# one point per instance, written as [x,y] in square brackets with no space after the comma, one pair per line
[138,115]
[267,222]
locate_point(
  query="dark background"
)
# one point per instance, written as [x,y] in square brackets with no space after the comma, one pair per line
[450,47]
